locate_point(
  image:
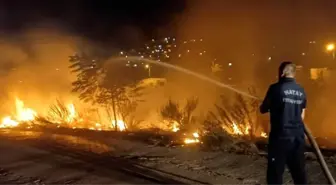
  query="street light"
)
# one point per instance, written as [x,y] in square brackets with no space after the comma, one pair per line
[147,66]
[331,48]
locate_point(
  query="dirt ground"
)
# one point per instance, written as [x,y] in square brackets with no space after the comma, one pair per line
[38,157]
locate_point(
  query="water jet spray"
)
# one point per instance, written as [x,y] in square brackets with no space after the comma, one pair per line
[186,71]
[310,137]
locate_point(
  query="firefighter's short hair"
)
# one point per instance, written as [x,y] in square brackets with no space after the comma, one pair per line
[287,69]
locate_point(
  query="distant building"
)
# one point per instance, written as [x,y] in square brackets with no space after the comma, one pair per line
[319,73]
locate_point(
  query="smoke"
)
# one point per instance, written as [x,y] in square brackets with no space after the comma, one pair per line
[321,113]
[255,37]
[247,33]
[203,22]
[226,34]
[34,63]
[177,89]
[35,67]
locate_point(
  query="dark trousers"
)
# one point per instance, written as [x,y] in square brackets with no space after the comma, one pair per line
[282,152]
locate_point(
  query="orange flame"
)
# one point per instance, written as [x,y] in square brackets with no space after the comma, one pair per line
[263,134]
[195,139]
[175,127]
[7,122]
[72,113]
[24,114]
[120,125]
[236,129]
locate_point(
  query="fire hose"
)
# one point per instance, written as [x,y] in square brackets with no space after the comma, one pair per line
[320,157]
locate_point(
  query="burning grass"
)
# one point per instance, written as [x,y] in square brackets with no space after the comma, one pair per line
[229,122]
[232,119]
[63,114]
[58,115]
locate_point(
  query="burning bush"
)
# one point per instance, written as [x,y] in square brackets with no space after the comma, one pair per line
[238,118]
[180,118]
[61,113]
[215,137]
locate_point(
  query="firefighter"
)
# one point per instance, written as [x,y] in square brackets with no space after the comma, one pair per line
[286,103]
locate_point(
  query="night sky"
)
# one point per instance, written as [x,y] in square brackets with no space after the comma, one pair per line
[99,20]
[131,22]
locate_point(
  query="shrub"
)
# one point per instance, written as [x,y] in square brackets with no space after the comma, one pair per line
[184,117]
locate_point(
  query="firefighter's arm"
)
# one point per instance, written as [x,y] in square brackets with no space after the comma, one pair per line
[265,106]
[303,114]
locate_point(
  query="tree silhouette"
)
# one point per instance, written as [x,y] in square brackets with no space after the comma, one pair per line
[107,85]
[89,77]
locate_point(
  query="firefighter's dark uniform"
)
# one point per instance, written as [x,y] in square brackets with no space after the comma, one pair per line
[285,101]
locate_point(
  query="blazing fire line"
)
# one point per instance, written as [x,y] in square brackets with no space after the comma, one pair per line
[71,119]
[25,116]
